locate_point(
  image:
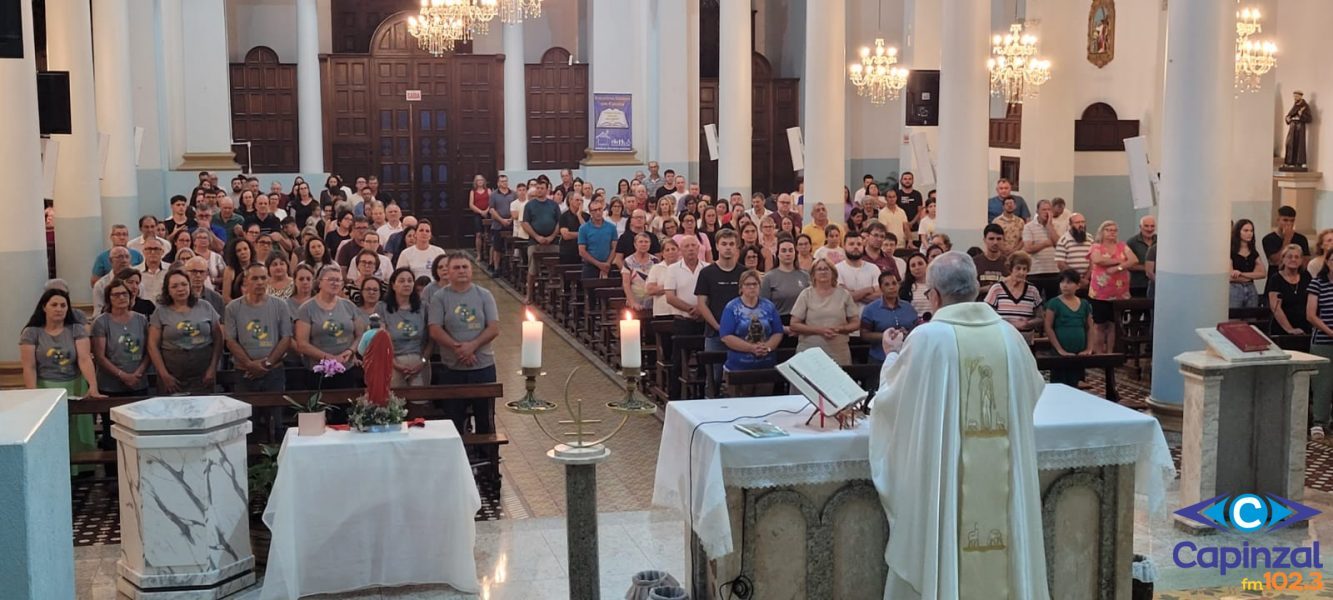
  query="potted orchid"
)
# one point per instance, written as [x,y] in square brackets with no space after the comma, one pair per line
[310,415]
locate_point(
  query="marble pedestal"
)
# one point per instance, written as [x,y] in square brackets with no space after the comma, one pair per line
[36,556]
[1244,426]
[827,540]
[1297,190]
[184,499]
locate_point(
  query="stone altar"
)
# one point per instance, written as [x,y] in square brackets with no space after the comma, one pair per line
[36,532]
[1228,405]
[799,517]
[184,498]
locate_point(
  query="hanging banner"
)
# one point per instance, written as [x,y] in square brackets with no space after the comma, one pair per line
[613,125]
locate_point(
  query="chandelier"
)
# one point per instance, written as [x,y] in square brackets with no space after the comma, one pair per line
[1253,58]
[1015,71]
[514,11]
[443,23]
[875,76]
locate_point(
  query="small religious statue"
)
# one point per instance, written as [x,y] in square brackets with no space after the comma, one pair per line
[1295,157]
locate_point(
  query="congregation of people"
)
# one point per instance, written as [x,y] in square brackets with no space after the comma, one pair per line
[265,285]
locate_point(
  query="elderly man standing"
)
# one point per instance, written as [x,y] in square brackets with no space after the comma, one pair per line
[119,260]
[964,501]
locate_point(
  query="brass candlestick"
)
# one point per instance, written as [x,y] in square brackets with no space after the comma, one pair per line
[529,404]
[635,403]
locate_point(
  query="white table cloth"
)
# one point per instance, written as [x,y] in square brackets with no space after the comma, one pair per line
[355,510]
[1073,429]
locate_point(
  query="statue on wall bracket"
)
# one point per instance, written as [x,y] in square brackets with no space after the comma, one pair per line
[1295,157]
[1101,32]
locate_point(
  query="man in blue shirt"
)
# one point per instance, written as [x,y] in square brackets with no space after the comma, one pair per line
[995,206]
[596,237]
[120,236]
[888,312]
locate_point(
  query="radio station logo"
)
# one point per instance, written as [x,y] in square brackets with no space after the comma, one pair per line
[1249,514]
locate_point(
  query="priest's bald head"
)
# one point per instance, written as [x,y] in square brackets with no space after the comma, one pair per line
[952,279]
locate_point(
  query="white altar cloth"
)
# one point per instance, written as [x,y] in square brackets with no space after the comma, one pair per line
[1073,429]
[356,510]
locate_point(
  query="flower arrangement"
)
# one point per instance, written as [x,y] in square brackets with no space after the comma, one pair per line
[326,368]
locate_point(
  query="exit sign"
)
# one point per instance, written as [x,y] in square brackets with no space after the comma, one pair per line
[414,95]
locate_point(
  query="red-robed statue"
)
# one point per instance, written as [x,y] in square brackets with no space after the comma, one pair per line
[376,350]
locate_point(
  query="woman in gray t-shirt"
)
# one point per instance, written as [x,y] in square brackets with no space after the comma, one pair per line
[184,339]
[328,327]
[53,350]
[119,342]
[404,315]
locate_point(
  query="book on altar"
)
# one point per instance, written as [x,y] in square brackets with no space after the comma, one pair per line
[823,383]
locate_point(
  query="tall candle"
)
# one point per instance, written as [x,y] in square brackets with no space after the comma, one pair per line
[531,355]
[631,354]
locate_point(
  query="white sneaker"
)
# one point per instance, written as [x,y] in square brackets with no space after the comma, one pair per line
[1316,433]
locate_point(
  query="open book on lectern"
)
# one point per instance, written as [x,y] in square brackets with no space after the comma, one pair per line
[817,376]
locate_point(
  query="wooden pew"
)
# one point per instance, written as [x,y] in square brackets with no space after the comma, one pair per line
[1106,362]
[271,410]
[1134,324]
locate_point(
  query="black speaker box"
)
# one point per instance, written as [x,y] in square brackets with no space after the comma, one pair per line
[11,29]
[53,102]
[923,98]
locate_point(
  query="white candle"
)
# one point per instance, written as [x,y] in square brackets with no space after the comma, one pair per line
[631,355]
[531,355]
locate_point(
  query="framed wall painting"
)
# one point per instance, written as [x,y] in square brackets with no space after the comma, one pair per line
[1101,32]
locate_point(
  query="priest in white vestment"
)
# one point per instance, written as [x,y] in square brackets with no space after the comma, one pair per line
[952,451]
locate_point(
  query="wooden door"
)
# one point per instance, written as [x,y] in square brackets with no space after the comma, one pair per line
[263,110]
[708,111]
[425,150]
[557,101]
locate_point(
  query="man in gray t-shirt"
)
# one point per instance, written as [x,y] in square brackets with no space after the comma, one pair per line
[463,320]
[258,330]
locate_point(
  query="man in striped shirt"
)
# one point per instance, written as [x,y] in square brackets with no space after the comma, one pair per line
[1071,252]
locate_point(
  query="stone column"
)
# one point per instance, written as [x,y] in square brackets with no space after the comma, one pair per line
[78,209]
[516,100]
[964,122]
[677,68]
[115,112]
[1194,213]
[207,86]
[310,116]
[23,247]
[735,127]
[618,64]
[1048,119]
[825,106]
[920,50]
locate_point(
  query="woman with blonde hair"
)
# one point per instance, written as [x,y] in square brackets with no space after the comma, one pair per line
[1323,242]
[825,314]
[1286,290]
[1109,280]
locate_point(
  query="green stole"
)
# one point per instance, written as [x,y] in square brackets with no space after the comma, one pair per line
[984,474]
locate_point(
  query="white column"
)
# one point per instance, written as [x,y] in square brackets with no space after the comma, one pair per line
[78,208]
[207,84]
[618,64]
[516,100]
[735,127]
[964,122]
[677,70]
[1192,266]
[825,105]
[310,116]
[23,246]
[115,111]
[1048,119]
[920,50]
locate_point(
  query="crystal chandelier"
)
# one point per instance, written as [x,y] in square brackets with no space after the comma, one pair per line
[514,11]
[442,23]
[1253,58]
[1015,71]
[875,76]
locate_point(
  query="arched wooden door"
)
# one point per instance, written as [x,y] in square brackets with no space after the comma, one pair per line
[429,124]
[775,105]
